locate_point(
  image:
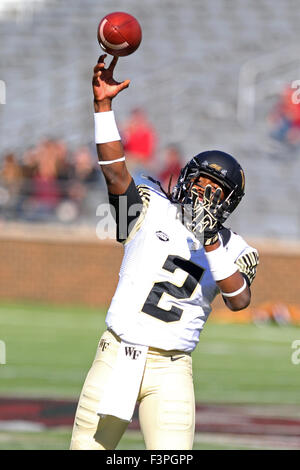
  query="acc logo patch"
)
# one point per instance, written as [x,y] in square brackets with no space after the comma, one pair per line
[217,167]
[162,236]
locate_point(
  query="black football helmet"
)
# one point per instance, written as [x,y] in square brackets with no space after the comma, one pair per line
[219,166]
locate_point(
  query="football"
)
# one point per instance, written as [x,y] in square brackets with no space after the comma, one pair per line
[119,34]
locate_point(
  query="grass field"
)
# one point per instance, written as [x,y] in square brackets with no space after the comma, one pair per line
[60,440]
[49,350]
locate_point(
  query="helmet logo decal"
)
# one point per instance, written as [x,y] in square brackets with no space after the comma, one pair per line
[217,167]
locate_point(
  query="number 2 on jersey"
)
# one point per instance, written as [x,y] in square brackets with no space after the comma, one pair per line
[185,291]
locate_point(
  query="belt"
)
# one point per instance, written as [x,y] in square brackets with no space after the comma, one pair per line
[155,351]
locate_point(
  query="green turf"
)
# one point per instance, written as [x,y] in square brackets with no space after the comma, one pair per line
[50,349]
[246,364]
[60,440]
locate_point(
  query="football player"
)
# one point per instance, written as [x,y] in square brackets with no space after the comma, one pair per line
[177,257]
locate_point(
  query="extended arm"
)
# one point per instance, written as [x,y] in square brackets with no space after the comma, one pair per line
[122,192]
[105,88]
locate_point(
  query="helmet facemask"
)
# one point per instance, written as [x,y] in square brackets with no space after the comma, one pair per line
[204,215]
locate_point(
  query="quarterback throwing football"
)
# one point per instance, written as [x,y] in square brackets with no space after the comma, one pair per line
[177,257]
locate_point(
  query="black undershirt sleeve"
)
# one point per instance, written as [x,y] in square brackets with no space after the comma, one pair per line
[128,207]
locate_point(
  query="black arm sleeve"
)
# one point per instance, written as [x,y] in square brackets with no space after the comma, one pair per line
[128,207]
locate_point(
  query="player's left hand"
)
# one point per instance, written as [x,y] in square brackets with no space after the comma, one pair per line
[209,215]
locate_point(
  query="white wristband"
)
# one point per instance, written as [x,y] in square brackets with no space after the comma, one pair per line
[220,263]
[105,127]
[109,162]
[233,294]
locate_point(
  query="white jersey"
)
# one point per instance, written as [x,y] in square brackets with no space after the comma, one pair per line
[165,289]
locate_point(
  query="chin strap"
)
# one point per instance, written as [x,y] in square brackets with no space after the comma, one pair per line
[167,194]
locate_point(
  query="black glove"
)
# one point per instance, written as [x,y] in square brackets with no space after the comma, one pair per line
[208,215]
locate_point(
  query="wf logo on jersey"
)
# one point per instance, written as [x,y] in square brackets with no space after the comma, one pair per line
[103,345]
[132,352]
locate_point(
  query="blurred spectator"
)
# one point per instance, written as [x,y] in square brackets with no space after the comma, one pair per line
[272,313]
[29,162]
[45,190]
[63,166]
[285,118]
[11,174]
[281,314]
[11,179]
[172,164]
[82,173]
[83,166]
[48,183]
[140,140]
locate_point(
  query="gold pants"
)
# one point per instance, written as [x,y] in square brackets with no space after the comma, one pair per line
[166,397]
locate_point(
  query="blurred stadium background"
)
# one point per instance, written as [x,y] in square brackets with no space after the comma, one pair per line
[207,75]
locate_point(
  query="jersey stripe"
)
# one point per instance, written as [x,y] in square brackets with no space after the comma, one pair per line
[145,194]
[247,265]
